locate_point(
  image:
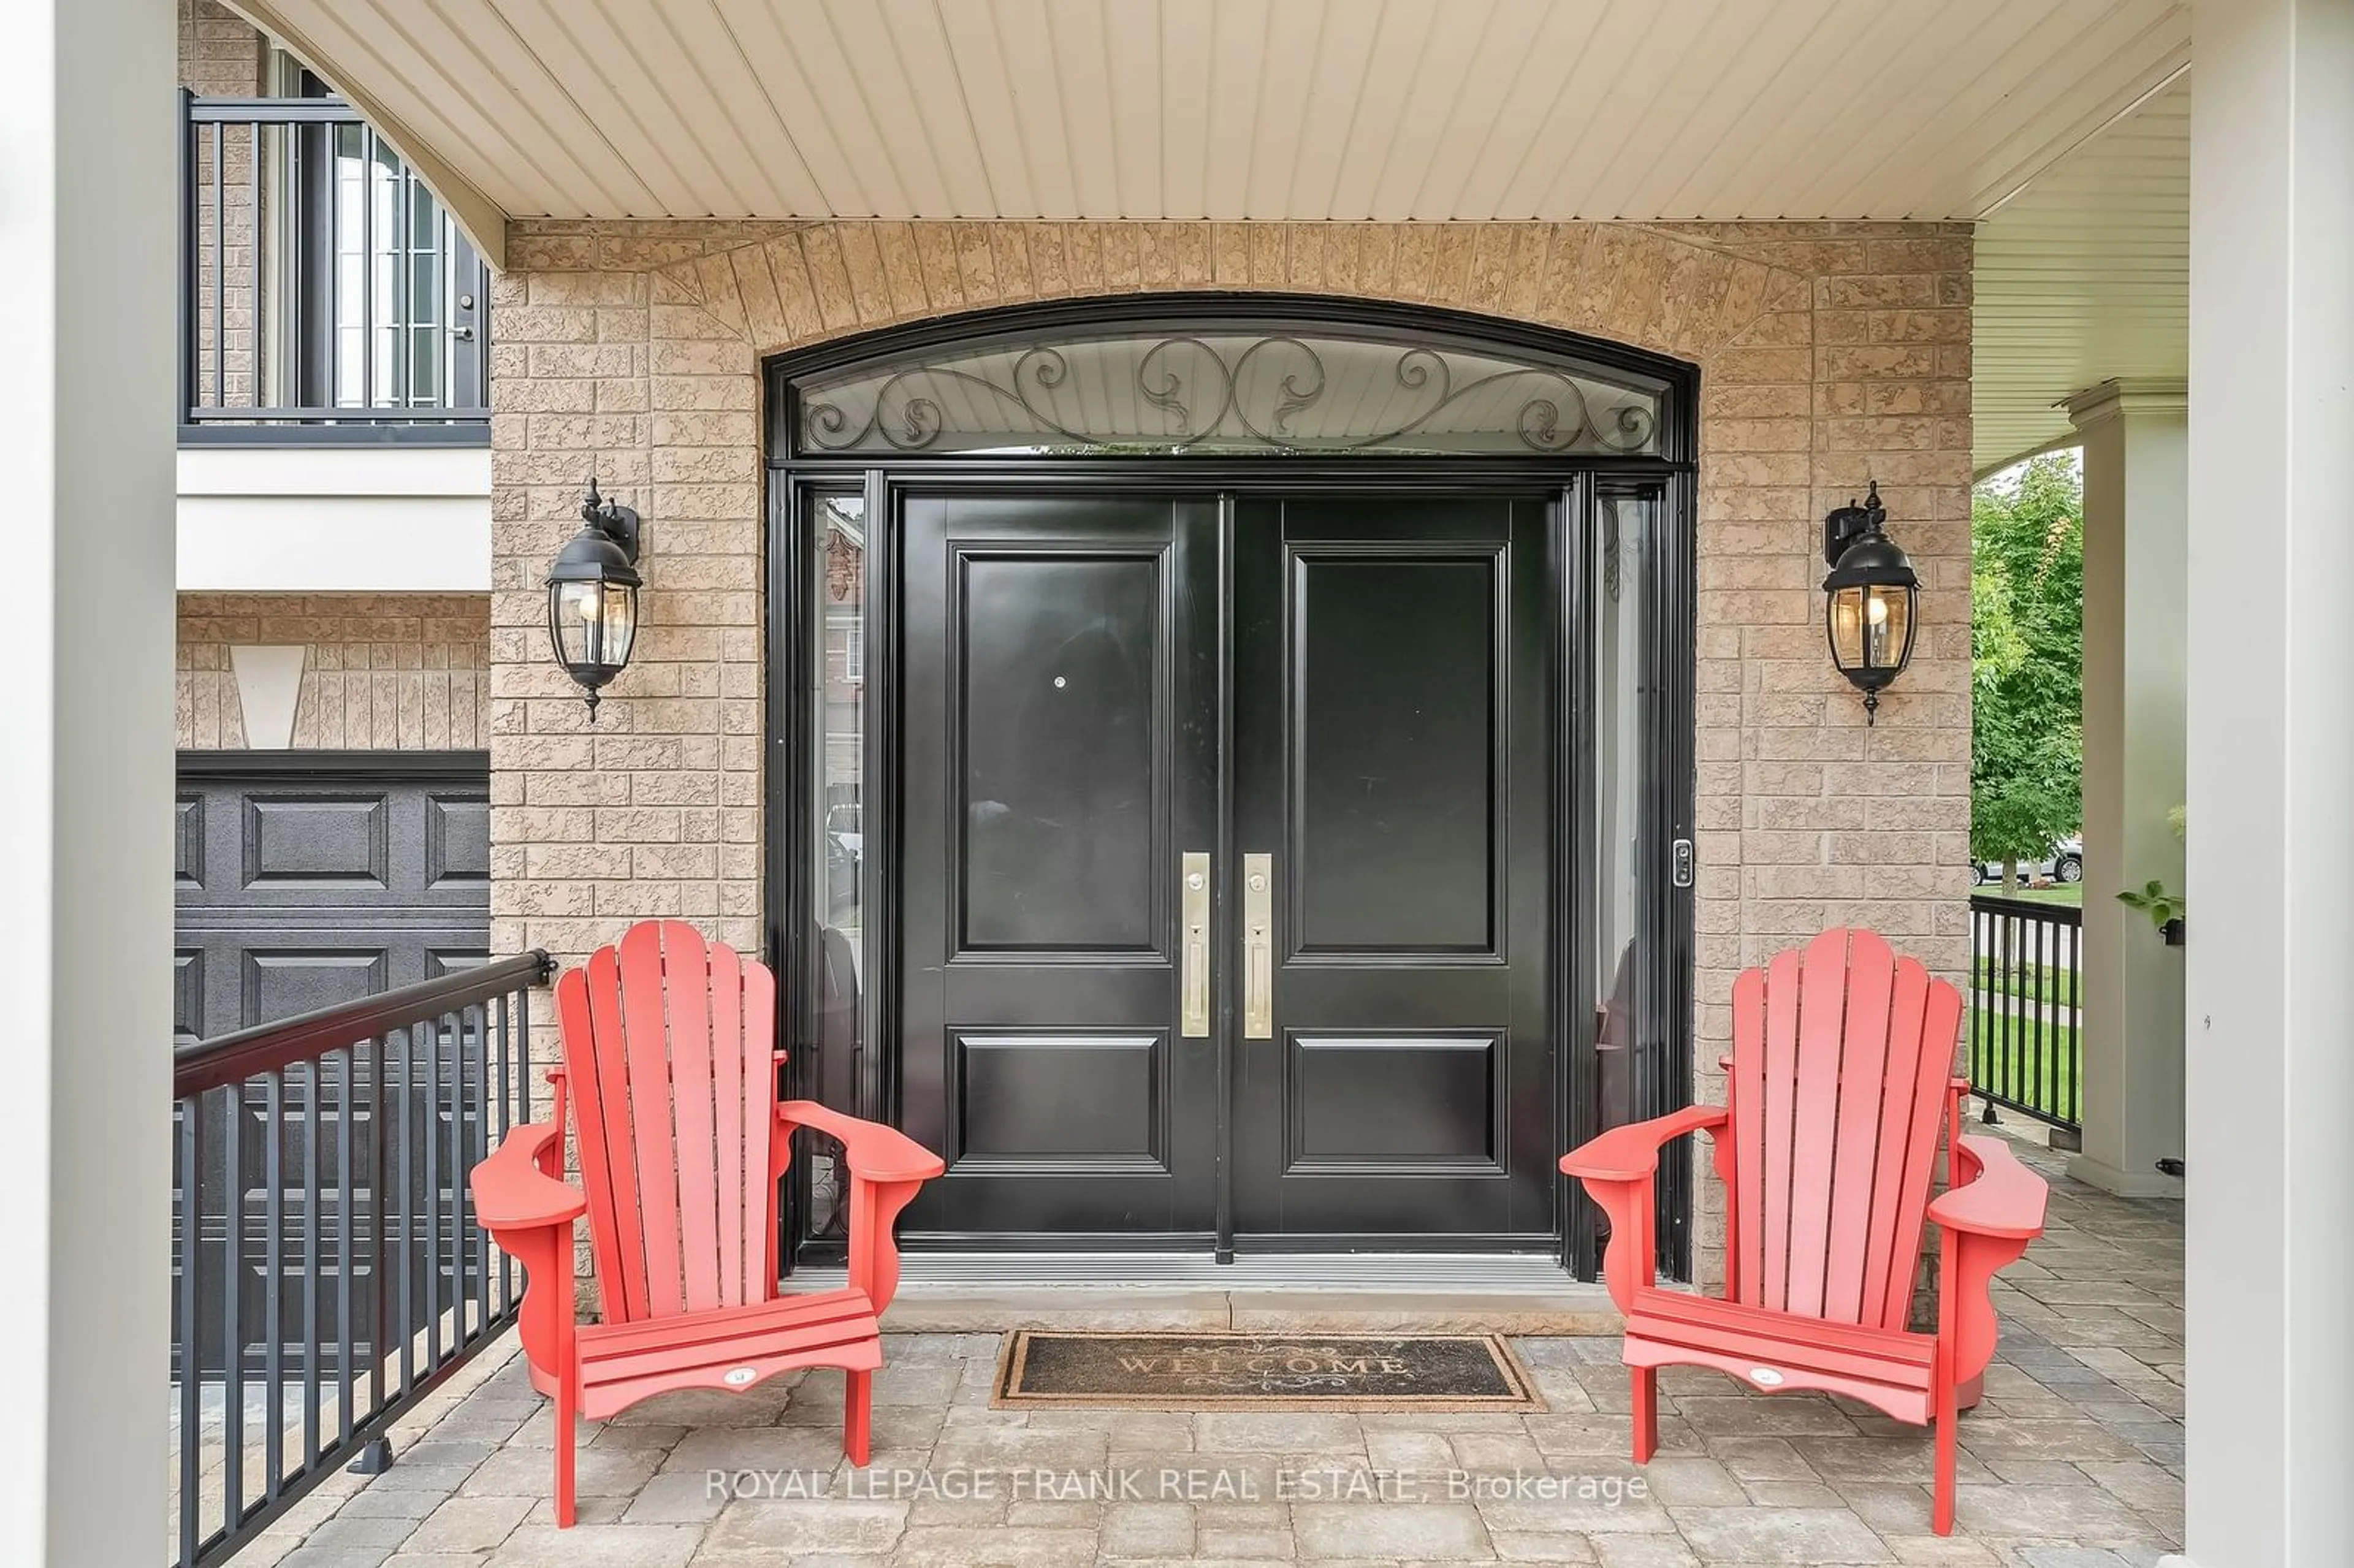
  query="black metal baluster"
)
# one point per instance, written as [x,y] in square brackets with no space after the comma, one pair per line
[522,1052]
[2031,1018]
[2011,1055]
[400,1323]
[2075,1025]
[1991,1066]
[220,266]
[503,1093]
[192,1356]
[1976,1003]
[314,1345]
[430,1116]
[2030,1059]
[273,1277]
[346,1247]
[232,1317]
[367,267]
[379,1203]
[259,396]
[2046,1039]
[479,1099]
[2047,955]
[373,1456]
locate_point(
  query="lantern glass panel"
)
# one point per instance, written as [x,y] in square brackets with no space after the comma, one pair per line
[594,624]
[1869,625]
[1887,625]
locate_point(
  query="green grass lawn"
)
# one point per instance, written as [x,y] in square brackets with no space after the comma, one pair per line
[2032,982]
[2037,1064]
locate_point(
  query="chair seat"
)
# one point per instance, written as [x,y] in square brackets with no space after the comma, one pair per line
[1893,1369]
[732,1349]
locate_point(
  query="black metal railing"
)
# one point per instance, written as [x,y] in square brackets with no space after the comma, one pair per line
[2027,1048]
[325,295]
[327,1270]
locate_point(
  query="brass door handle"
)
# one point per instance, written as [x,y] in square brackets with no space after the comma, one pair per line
[1259,946]
[1193,964]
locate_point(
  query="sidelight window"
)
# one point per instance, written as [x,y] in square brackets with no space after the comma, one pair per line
[828,1058]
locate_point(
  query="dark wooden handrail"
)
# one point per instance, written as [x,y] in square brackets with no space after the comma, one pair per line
[268,1047]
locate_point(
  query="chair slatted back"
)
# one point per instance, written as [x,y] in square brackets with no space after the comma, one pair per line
[1842,1055]
[669,1049]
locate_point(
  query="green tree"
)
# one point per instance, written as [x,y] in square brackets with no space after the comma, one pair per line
[2027,660]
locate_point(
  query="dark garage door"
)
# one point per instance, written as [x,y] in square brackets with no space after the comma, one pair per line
[305,880]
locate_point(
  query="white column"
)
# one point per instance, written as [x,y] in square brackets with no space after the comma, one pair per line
[87,214]
[2136,566]
[2270,1006]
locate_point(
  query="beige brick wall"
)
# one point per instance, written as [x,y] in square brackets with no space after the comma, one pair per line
[1829,353]
[380,673]
[220,53]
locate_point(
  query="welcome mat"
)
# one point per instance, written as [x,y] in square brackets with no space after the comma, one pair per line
[1043,1367]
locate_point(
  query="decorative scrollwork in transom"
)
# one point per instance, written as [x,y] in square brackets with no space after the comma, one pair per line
[1224,391]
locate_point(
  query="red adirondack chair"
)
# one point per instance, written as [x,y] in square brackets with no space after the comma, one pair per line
[1841,1070]
[670,1067]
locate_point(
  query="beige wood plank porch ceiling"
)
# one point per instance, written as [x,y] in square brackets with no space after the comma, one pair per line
[1237,109]
[2084,277]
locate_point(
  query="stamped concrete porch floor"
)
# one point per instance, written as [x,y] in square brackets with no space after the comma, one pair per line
[2075,1460]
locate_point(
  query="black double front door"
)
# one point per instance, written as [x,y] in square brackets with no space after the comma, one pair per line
[1223,909]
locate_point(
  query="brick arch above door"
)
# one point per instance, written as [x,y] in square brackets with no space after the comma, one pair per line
[1634,285]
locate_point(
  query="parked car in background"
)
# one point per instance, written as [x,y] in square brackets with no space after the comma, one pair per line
[2068,859]
[2065,863]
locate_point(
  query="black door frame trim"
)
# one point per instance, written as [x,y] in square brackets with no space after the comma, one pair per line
[1573,481]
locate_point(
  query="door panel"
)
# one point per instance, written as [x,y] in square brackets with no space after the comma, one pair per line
[1060,714]
[1059,742]
[1411,1101]
[1395,666]
[1391,725]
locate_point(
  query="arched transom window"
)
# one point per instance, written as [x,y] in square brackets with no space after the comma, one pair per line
[1324,389]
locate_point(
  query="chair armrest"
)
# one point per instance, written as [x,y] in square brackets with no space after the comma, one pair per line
[1995,1195]
[886,1167]
[1996,1209]
[511,1192]
[529,1213]
[1631,1153]
[873,1152]
[1618,1170]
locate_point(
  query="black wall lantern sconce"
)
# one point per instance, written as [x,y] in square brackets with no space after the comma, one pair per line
[1869,597]
[592,595]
